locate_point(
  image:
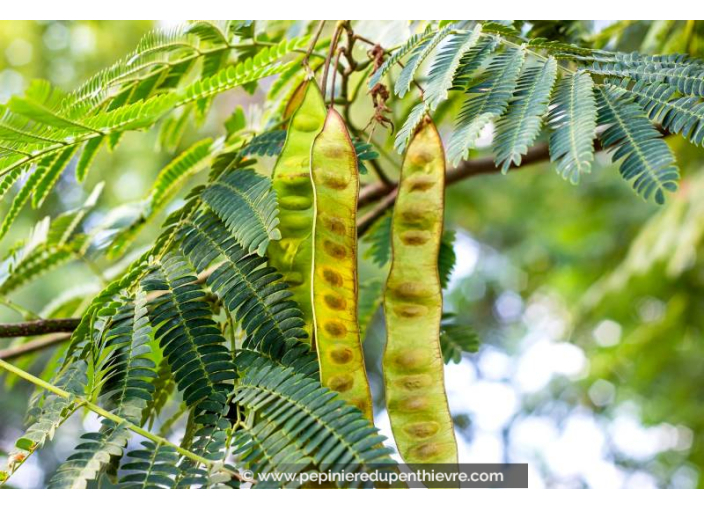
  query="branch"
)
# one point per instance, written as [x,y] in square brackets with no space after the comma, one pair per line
[121,421]
[33,346]
[38,327]
[385,194]
[466,169]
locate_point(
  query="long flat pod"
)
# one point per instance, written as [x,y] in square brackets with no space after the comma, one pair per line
[293,254]
[334,275]
[412,362]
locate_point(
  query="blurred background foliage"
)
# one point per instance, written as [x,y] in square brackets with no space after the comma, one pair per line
[587,300]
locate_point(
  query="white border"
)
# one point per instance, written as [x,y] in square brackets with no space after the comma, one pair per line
[354,9]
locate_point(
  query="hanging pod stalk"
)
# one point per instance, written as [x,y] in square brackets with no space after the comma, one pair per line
[292,255]
[334,275]
[412,362]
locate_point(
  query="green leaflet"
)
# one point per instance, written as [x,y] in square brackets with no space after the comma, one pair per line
[647,160]
[190,339]
[152,467]
[245,202]
[517,130]
[415,117]
[445,65]
[311,418]
[396,57]
[51,175]
[127,385]
[420,53]
[412,361]
[679,115]
[90,150]
[267,449]
[334,272]
[254,293]
[92,456]
[55,410]
[572,121]
[488,100]
[456,338]
[292,255]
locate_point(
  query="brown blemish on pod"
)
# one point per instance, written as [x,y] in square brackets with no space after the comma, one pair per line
[335,328]
[341,383]
[341,355]
[334,225]
[420,182]
[412,290]
[411,311]
[332,277]
[412,359]
[333,180]
[420,156]
[335,250]
[415,237]
[414,382]
[426,451]
[333,150]
[423,429]
[415,213]
[335,302]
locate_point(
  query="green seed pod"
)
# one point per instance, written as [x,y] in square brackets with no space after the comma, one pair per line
[334,275]
[293,254]
[412,362]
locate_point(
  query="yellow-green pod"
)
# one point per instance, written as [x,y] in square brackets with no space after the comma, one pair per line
[412,362]
[334,275]
[293,254]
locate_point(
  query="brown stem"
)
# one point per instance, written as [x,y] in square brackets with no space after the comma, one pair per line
[464,170]
[383,193]
[38,327]
[328,58]
[33,346]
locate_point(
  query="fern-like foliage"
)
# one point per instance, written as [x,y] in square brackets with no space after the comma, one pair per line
[647,160]
[253,292]
[456,339]
[247,204]
[445,65]
[399,54]
[682,115]
[488,100]
[199,361]
[152,467]
[573,124]
[313,423]
[517,130]
[425,47]
[92,456]
[127,385]
[668,87]
[49,246]
[53,412]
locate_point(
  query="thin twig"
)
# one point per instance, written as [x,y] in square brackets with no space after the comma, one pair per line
[118,420]
[311,47]
[331,52]
[38,344]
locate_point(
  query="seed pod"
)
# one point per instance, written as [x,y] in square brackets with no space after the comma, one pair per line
[412,362]
[293,254]
[334,276]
